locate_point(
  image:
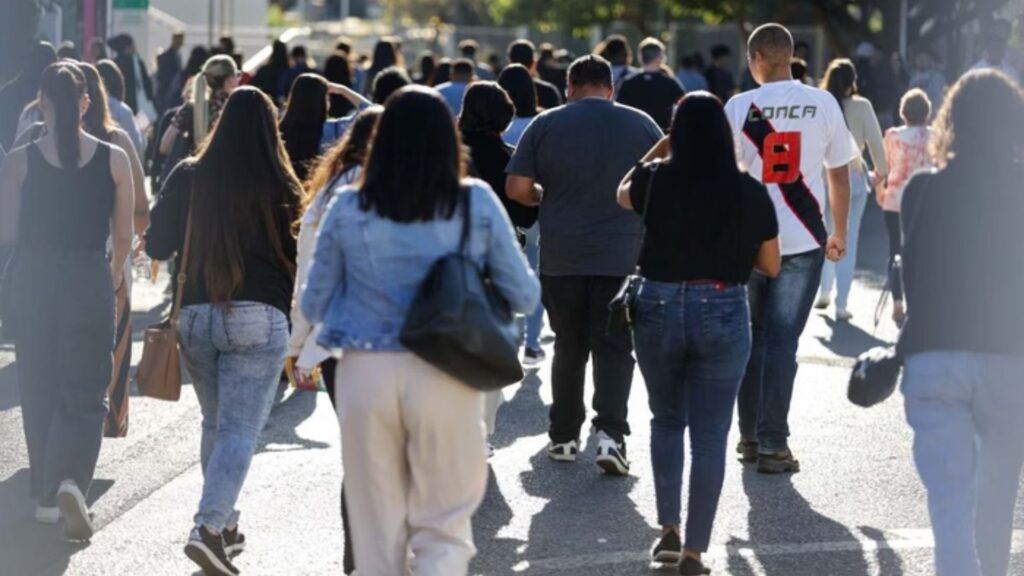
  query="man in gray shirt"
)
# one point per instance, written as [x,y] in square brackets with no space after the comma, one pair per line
[578,154]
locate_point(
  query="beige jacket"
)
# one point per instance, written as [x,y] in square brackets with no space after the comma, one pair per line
[863,124]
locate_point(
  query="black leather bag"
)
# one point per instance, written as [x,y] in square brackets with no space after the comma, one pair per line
[461,325]
[620,309]
[875,376]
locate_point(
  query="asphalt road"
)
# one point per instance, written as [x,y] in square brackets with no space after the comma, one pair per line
[857,509]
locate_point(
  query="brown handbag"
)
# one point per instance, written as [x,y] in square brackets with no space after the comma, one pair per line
[159,371]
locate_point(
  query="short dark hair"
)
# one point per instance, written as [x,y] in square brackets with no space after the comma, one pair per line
[387,82]
[522,52]
[915,107]
[462,68]
[772,42]
[720,51]
[486,109]
[469,48]
[650,50]
[547,50]
[590,70]
[616,50]
[343,44]
[299,52]
[798,66]
[112,78]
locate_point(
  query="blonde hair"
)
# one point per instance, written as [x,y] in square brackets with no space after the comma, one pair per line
[215,72]
[916,107]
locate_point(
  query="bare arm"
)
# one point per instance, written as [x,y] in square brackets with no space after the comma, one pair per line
[167,142]
[121,227]
[660,151]
[349,94]
[769,258]
[523,190]
[140,215]
[12,176]
[839,200]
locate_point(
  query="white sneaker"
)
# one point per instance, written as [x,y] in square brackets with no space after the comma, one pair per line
[77,520]
[47,514]
[611,455]
[564,452]
[843,315]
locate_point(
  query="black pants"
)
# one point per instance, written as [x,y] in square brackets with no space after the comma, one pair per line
[892,226]
[63,340]
[578,309]
[328,369]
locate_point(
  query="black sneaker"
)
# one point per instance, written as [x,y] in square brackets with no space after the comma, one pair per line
[611,455]
[747,449]
[693,567]
[533,358]
[669,549]
[206,549]
[563,451]
[234,541]
[778,463]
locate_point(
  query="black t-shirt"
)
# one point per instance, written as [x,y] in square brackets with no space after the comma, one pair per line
[268,279]
[654,93]
[721,83]
[689,238]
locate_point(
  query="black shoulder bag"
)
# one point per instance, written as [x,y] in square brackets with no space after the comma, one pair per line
[460,324]
[620,309]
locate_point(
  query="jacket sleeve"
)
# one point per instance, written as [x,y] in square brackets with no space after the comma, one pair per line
[301,328]
[327,269]
[873,137]
[509,269]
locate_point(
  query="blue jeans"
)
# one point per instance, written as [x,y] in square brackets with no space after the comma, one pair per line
[234,355]
[965,409]
[841,274]
[779,308]
[692,343]
[535,322]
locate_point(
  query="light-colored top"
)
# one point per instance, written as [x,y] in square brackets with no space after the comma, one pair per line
[452,92]
[336,128]
[516,129]
[122,114]
[304,335]
[863,124]
[785,133]
[367,269]
[907,150]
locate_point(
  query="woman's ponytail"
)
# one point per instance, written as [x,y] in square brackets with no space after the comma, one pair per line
[214,74]
[63,86]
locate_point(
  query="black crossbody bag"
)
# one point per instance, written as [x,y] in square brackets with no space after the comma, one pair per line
[621,309]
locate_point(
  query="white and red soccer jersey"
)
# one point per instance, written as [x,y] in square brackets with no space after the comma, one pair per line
[786,134]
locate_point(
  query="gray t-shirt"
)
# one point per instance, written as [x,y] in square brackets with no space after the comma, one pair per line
[579,153]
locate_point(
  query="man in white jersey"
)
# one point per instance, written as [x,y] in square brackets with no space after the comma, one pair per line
[786,135]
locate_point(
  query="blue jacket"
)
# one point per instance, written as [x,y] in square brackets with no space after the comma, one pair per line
[367,269]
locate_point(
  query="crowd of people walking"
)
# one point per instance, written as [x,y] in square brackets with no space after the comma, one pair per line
[306,214]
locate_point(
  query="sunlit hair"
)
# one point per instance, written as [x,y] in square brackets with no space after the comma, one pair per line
[416,162]
[244,187]
[915,107]
[982,119]
[348,153]
[96,120]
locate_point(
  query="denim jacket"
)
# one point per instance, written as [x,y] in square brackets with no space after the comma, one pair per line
[367,269]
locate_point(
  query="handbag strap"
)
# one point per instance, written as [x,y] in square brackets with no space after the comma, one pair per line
[643,216]
[181,277]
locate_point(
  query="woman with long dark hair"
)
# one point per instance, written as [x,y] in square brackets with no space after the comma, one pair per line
[305,127]
[963,341]
[242,198]
[386,53]
[708,225]
[61,198]
[517,81]
[268,75]
[414,455]
[841,81]
[337,70]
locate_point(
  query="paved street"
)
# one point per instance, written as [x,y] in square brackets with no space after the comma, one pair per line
[857,509]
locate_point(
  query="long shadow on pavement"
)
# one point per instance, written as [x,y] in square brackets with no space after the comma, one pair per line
[848,340]
[523,415]
[779,515]
[27,547]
